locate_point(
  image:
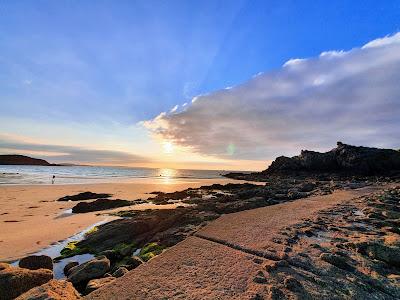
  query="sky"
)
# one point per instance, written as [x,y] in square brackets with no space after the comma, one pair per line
[196,84]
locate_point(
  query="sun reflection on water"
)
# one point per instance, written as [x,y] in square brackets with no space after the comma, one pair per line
[168,175]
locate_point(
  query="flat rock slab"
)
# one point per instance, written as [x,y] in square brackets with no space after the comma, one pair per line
[194,269]
[254,229]
[212,265]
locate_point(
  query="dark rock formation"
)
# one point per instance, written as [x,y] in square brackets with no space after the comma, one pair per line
[15,281]
[22,160]
[343,158]
[54,289]
[34,262]
[84,196]
[92,269]
[100,204]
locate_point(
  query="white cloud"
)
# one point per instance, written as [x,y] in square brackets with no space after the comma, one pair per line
[353,96]
[174,109]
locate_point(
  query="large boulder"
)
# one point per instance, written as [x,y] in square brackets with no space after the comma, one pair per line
[94,268]
[52,290]
[95,284]
[14,280]
[84,196]
[34,262]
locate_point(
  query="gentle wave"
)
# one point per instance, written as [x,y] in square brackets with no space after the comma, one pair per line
[94,174]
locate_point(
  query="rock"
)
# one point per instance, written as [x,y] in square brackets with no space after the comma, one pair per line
[260,278]
[35,262]
[390,255]
[100,204]
[14,280]
[52,290]
[112,255]
[4,266]
[94,268]
[275,293]
[121,271]
[307,187]
[337,261]
[69,266]
[343,158]
[134,262]
[95,284]
[293,284]
[84,196]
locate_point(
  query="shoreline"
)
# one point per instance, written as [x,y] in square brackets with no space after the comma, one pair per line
[30,215]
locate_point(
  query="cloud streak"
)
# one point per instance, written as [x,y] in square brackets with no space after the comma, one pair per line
[353,96]
[69,154]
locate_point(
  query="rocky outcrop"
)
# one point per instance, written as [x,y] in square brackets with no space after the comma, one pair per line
[92,269]
[34,262]
[84,196]
[52,290]
[100,204]
[14,280]
[343,158]
[22,160]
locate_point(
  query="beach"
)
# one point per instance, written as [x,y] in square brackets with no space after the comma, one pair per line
[31,218]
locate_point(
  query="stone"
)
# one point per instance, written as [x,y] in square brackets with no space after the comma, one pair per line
[4,266]
[134,262]
[84,196]
[95,284]
[100,204]
[275,293]
[94,268]
[52,290]
[260,278]
[34,262]
[15,281]
[293,284]
[121,271]
[69,266]
[336,260]
[112,255]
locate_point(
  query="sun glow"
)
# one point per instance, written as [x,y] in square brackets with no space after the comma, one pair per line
[168,147]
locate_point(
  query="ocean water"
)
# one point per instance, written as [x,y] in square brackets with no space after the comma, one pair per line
[96,174]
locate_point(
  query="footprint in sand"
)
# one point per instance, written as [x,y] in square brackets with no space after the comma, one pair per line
[33,207]
[12,221]
[5,213]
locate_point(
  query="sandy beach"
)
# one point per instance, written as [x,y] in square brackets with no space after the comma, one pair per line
[31,218]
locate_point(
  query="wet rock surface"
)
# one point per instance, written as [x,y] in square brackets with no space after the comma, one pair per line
[34,262]
[100,204]
[333,256]
[84,196]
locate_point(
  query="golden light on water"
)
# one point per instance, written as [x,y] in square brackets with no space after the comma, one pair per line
[167,175]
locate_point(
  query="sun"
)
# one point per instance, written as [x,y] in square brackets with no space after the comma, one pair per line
[168,147]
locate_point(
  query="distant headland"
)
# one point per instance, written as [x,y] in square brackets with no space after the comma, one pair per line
[15,159]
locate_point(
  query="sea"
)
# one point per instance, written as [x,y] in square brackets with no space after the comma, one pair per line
[97,174]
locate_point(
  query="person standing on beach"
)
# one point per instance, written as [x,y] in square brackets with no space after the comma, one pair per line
[54,178]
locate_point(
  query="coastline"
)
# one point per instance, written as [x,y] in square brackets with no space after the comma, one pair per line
[31,219]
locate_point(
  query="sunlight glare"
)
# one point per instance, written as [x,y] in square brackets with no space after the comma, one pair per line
[168,147]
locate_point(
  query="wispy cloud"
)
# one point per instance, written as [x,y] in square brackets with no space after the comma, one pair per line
[352,96]
[70,154]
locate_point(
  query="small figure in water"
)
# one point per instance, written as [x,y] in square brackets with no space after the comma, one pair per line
[54,178]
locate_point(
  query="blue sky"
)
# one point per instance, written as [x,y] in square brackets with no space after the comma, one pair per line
[101,67]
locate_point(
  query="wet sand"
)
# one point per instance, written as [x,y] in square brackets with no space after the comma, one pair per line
[32,219]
